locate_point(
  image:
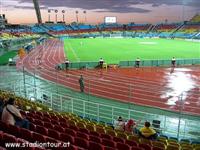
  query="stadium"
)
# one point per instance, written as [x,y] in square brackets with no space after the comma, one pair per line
[70,82]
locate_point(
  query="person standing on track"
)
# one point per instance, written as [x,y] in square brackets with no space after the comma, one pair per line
[81,83]
[101,61]
[137,62]
[66,64]
[173,62]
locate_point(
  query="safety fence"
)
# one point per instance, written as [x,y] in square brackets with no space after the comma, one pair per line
[62,99]
[142,63]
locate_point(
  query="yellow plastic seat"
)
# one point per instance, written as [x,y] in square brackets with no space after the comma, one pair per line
[100,129]
[145,141]
[134,138]
[111,132]
[122,135]
[90,127]
[159,144]
[172,147]
[81,125]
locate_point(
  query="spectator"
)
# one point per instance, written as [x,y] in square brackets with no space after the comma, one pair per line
[66,64]
[12,116]
[119,124]
[81,83]
[131,125]
[137,62]
[147,132]
[101,61]
[173,62]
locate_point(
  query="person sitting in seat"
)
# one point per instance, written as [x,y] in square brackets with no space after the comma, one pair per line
[147,132]
[119,124]
[11,115]
[131,125]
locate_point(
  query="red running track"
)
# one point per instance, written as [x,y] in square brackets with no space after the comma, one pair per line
[157,87]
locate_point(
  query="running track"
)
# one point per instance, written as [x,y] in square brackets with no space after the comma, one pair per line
[156,87]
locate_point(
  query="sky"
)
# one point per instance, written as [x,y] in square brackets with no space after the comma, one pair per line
[138,11]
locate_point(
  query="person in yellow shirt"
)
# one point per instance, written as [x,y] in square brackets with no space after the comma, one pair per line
[147,132]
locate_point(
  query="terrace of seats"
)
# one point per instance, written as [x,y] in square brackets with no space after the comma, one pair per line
[50,126]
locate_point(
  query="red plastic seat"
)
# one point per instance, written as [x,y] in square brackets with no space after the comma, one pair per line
[95,146]
[82,135]
[25,134]
[2,148]
[123,146]
[86,131]
[38,117]
[41,130]
[38,137]
[66,138]
[38,122]
[81,142]
[94,133]
[59,128]
[3,126]
[30,119]
[52,140]
[32,127]
[53,134]
[64,125]
[117,139]
[55,122]
[39,113]
[73,127]
[48,125]
[63,120]
[20,140]
[136,148]
[70,132]
[131,143]
[13,130]
[106,136]
[1,135]
[46,119]
[109,148]
[108,143]
[95,139]
[7,138]
[145,146]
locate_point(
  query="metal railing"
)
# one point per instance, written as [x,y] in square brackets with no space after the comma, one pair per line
[60,98]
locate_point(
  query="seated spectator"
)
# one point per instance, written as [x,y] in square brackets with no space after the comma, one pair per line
[11,115]
[147,132]
[131,125]
[119,124]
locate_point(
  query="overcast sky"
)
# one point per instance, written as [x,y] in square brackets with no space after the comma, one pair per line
[139,11]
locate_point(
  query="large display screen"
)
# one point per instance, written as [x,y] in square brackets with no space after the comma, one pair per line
[110,19]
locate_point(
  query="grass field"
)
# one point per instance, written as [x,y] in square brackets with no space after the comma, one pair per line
[113,50]
[4,58]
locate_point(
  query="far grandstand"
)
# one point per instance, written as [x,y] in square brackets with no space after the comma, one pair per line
[41,65]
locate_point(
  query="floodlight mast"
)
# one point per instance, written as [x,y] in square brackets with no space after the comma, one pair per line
[37,10]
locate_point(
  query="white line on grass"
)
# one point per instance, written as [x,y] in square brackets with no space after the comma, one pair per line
[73,51]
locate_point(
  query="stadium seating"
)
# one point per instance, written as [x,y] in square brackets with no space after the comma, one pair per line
[43,129]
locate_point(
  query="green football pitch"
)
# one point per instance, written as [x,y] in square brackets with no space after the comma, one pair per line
[113,50]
